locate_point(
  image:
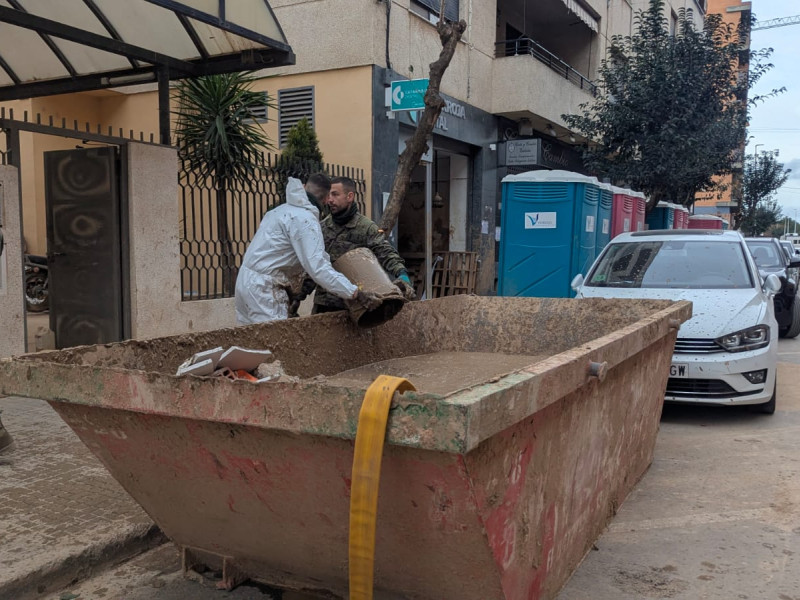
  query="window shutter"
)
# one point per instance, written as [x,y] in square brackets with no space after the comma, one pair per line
[293,105]
[259,113]
[450,9]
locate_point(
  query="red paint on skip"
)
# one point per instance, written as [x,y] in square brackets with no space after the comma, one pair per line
[545,560]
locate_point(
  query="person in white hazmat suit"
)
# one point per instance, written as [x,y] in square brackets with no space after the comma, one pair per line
[288,241]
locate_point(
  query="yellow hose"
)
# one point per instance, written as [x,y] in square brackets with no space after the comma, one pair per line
[366,477]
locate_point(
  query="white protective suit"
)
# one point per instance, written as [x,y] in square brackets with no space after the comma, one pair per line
[289,239]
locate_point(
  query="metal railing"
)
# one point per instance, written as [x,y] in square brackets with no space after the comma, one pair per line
[528,46]
[211,254]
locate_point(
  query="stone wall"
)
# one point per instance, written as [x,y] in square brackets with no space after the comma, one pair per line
[12,298]
[156,306]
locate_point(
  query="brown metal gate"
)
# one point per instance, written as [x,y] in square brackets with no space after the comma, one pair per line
[82,194]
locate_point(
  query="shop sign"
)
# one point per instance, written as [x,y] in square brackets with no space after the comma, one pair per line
[408,94]
[523,152]
[450,108]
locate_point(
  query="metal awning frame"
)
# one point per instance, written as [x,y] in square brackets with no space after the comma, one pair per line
[146,65]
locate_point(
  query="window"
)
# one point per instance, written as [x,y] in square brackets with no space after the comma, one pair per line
[429,9]
[293,105]
[673,264]
[259,114]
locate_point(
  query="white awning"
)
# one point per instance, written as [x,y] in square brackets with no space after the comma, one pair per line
[61,46]
[583,14]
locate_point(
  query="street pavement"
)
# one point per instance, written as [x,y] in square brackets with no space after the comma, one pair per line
[716,517]
[61,513]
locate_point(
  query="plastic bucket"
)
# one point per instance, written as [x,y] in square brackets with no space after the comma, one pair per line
[362,268]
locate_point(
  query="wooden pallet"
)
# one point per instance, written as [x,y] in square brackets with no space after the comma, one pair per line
[456,273]
[453,273]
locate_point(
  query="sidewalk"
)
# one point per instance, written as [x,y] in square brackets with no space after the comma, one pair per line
[61,514]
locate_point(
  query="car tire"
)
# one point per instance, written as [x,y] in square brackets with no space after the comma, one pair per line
[794,329]
[768,407]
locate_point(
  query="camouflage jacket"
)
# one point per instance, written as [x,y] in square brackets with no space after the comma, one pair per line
[358,232]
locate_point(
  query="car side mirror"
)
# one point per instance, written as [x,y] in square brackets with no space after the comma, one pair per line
[794,262]
[577,282]
[772,283]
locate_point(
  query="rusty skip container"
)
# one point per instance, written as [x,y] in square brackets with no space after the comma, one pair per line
[497,476]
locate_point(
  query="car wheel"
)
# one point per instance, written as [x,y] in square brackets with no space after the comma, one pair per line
[768,407]
[794,329]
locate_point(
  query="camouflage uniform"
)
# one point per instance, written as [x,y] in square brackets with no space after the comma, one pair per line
[358,232]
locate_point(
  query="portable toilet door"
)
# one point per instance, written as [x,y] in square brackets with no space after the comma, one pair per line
[676,216]
[604,208]
[680,218]
[588,225]
[660,217]
[543,213]
[670,215]
[639,211]
[622,208]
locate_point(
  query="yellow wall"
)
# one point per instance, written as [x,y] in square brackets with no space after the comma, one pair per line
[72,107]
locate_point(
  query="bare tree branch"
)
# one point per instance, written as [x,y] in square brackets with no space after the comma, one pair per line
[449,34]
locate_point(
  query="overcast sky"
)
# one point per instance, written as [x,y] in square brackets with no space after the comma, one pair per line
[775,124]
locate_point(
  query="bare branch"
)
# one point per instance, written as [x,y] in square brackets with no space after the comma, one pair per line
[449,35]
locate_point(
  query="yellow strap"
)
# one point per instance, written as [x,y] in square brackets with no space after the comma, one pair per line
[366,477]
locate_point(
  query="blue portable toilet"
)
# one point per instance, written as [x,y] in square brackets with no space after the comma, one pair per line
[661,217]
[549,223]
[604,207]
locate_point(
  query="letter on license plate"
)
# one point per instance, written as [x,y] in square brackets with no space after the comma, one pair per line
[679,370]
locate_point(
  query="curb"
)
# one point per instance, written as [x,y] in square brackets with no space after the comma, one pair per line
[60,573]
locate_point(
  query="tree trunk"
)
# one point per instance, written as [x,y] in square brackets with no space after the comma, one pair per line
[226,259]
[449,34]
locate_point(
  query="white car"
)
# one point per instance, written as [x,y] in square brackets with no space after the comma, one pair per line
[727,352]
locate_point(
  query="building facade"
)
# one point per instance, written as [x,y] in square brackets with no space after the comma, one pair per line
[726,202]
[520,66]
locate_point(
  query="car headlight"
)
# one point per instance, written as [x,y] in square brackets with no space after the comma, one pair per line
[746,339]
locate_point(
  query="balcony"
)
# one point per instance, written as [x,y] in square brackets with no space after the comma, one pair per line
[543,55]
[528,80]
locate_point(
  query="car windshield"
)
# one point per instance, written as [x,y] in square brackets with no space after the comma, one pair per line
[682,264]
[766,254]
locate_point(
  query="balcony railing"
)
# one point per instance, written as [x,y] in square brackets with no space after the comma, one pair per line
[540,53]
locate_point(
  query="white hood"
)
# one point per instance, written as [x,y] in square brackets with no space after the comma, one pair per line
[296,196]
[714,312]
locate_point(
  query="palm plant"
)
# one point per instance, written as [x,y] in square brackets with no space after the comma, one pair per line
[219,141]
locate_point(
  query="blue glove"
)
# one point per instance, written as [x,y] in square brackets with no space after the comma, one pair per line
[404,284]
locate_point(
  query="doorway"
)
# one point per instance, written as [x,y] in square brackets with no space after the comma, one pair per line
[449,213]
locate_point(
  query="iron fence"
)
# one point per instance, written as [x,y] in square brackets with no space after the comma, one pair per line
[217,225]
[526,45]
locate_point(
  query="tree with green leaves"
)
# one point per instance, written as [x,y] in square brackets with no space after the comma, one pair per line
[220,142]
[763,176]
[302,145]
[673,108]
[785,225]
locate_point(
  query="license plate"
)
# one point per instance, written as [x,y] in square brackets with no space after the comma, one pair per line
[679,370]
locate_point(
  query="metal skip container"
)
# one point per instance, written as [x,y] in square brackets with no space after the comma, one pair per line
[532,420]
